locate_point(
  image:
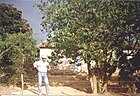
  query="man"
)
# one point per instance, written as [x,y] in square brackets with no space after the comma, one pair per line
[42,66]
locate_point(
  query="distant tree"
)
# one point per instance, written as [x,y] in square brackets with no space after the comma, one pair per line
[95,30]
[17,47]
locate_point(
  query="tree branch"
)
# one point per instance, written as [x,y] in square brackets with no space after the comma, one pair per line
[4,51]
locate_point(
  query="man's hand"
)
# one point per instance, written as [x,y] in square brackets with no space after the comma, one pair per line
[37,68]
[49,67]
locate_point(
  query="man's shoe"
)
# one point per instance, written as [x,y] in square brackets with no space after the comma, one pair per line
[40,94]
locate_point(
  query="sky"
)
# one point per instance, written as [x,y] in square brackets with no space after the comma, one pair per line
[31,14]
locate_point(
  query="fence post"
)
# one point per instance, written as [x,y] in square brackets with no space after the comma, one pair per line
[22,83]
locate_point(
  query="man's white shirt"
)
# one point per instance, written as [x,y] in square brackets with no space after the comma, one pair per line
[42,66]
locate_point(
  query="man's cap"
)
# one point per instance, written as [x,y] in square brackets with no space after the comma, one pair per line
[43,56]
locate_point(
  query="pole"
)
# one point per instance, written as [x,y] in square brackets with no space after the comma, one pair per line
[22,83]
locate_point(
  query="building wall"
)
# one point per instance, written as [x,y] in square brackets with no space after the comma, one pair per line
[45,51]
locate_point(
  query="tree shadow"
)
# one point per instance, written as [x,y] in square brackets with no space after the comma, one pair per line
[33,91]
[74,81]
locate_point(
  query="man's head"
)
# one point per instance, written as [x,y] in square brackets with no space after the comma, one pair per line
[44,58]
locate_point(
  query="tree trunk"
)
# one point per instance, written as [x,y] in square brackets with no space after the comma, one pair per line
[92,79]
[93,82]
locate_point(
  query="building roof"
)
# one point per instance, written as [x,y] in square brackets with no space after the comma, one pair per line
[46,44]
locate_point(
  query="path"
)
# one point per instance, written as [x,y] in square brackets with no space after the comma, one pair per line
[54,91]
[32,91]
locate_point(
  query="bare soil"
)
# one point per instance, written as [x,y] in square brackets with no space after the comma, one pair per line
[65,83]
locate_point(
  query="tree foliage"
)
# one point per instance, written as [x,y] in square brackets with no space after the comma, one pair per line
[95,30]
[17,47]
[12,21]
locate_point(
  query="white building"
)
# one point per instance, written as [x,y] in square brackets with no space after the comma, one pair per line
[45,48]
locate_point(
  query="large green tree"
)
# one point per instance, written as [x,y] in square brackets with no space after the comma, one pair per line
[95,30]
[17,47]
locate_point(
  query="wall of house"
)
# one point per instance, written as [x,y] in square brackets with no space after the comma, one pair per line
[45,51]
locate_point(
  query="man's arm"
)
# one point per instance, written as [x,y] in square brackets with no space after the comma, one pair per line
[35,65]
[48,67]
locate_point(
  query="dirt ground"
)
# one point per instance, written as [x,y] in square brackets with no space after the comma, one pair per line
[32,91]
[63,83]
[54,91]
